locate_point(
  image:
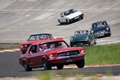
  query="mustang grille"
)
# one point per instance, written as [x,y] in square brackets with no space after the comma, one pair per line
[68,53]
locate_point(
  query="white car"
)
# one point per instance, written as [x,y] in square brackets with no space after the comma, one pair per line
[70,16]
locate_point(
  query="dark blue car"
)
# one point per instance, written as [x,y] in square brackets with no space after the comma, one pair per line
[101,29]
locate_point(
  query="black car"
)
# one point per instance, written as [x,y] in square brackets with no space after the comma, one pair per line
[101,29]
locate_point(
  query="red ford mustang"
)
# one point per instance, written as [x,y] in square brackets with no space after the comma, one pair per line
[33,38]
[48,53]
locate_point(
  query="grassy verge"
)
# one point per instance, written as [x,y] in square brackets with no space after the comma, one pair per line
[4,46]
[11,47]
[103,54]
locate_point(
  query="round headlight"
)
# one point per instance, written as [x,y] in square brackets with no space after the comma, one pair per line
[86,38]
[71,39]
[92,31]
[51,56]
[82,52]
[107,28]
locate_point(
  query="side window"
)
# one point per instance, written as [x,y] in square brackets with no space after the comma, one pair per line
[33,49]
[31,38]
[43,47]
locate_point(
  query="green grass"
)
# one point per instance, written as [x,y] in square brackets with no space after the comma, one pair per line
[103,54]
[11,47]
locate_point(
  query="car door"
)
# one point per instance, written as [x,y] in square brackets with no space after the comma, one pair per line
[34,56]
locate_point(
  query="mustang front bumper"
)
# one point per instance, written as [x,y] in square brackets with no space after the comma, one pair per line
[66,60]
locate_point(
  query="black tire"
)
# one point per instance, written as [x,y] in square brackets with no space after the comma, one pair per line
[109,34]
[60,66]
[59,21]
[67,21]
[95,42]
[23,52]
[80,64]
[82,16]
[46,65]
[89,43]
[26,67]
[80,44]
[71,44]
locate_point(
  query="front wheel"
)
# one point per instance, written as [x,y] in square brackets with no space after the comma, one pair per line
[109,34]
[67,21]
[59,22]
[80,63]
[46,65]
[95,42]
[26,67]
[71,44]
[89,43]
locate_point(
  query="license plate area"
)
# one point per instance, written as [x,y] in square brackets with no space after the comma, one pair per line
[69,59]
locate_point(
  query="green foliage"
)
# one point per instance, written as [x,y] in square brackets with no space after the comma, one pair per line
[10,47]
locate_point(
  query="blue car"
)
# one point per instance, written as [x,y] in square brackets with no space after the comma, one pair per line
[101,29]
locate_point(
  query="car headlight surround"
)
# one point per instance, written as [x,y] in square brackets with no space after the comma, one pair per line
[71,39]
[107,28]
[51,56]
[82,52]
[92,31]
[87,38]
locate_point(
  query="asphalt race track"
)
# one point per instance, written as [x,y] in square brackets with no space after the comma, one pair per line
[20,18]
[10,67]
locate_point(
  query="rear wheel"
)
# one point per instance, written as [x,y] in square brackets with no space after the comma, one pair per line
[80,63]
[26,67]
[81,17]
[46,65]
[60,66]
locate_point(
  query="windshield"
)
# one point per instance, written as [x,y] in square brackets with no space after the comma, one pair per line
[53,45]
[68,12]
[99,24]
[40,37]
[81,32]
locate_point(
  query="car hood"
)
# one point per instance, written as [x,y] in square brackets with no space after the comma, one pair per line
[99,29]
[73,15]
[79,37]
[29,42]
[58,50]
